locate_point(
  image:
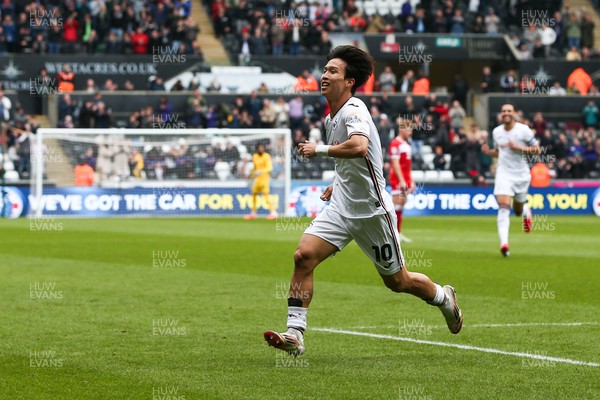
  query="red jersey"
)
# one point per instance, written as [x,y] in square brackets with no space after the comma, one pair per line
[400,150]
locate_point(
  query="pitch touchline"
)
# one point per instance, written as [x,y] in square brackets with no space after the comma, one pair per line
[460,346]
[490,325]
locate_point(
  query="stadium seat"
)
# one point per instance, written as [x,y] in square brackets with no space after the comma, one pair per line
[395,7]
[370,8]
[418,175]
[446,176]
[448,158]
[428,160]
[383,7]
[431,176]
[9,166]
[11,176]
[223,170]
[426,149]
[359,6]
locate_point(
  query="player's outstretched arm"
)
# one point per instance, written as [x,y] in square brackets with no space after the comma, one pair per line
[355,147]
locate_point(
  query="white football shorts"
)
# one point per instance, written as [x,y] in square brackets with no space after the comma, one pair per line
[517,188]
[377,236]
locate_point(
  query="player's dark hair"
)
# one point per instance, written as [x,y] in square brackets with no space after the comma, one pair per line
[359,64]
[508,103]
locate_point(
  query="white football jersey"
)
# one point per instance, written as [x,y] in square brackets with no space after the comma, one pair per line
[359,185]
[512,164]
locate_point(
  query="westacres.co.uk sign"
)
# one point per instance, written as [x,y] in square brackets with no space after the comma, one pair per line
[304,201]
[17,72]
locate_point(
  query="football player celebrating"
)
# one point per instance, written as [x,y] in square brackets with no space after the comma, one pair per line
[513,141]
[360,208]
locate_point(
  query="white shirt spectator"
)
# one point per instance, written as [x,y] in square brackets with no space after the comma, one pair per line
[547,35]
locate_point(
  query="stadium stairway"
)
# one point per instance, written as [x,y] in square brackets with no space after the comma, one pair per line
[60,173]
[213,50]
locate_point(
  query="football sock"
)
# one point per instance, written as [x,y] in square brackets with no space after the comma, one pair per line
[399,208]
[503,224]
[526,211]
[296,315]
[254,204]
[440,297]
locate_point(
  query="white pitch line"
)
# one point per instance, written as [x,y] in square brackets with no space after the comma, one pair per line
[519,324]
[461,346]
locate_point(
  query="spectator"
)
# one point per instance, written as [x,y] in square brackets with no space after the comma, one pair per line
[84,173]
[324,44]
[539,125]
[456,114]
[281,109]
[439,162]
[70,33]
[557,90]
[421,85]
[65,79]
[158,85]
[509,82]
[296,106]
[591,114]
[488,82]
[492,22]
[458,25]
[102,116]
[89,157]
[140,41]
[388,80]
[5,107]
[478,24]
[587,32]
[408,81]
[267,114]
[460,88]
[573,54]
[277,36]
[574,31]
[439,23]
[23,147]
[580,80]
[306,82]
[259,43]
[547,38]
[245,49]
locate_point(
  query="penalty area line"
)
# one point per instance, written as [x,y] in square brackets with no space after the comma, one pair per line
[460,346]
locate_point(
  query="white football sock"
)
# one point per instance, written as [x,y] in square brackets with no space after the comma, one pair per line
[503,225]
[440,296]
[526,211]
[297,317]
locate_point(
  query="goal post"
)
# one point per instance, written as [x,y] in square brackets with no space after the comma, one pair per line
[154,172]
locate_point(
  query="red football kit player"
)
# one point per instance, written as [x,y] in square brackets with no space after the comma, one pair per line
[400,172]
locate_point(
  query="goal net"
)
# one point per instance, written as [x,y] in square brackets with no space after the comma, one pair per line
[111,172]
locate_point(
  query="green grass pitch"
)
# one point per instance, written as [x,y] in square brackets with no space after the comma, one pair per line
[176,308]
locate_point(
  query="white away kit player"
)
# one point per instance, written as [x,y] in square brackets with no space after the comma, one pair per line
[513,142]
[360,208]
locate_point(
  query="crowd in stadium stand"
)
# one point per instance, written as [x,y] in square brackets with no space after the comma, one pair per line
[570,148]
[538,29]
[126,27]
